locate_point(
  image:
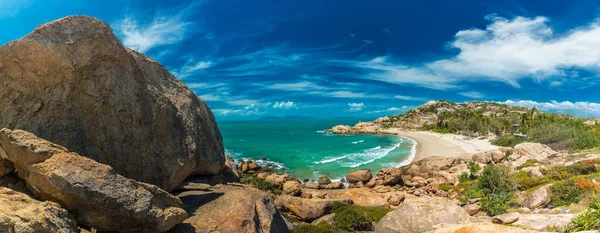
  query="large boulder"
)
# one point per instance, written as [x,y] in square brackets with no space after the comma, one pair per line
[341,129]
[507,218]
[307,209]
[292,188]
[23,214]
[6,166]
[72,82]
[530,151]
[94,192]
[388,176]
[223,208]
[538,199]
[362,175]
[416,217]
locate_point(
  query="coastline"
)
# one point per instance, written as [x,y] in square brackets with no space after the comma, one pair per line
[431,144]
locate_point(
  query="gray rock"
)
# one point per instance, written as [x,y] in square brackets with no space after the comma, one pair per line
[419,217]
[323,180]
[507,218]
[538,199]
[72,82]
[472,209]
[326,219]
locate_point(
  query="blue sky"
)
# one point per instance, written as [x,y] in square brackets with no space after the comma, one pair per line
[249,59]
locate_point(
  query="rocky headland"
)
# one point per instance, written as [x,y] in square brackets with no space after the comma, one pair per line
[99,138]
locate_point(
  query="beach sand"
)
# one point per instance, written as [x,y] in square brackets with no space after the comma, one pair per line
[445,145]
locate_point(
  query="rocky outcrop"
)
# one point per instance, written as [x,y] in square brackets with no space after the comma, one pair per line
[388,176]
[323,180]
[530,151]
[472,209]
[486,157]
[481,228]
[542,222]
[228,208]
[364,196]
[21,213]
[6,166]
[73,83]
[274,178]
[538,199]
[292,188]
[307,209]
[93,192]
[359,128]
[419,217]
[362,175]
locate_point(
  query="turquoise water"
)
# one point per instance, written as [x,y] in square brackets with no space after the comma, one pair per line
[306,152]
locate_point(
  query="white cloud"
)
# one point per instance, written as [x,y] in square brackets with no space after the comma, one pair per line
[210,97]
[409,98]
[206,85]
[472,94]
[505,51]
[387,31]
[356,107]
[392,110]
[297,86]
[285,105]
[142,37]
[190,68]
[243,102]
[586,109]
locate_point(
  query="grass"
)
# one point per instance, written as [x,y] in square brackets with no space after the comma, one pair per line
[523,181]
[565,193]
[356,218]
[528,163]
[446,187]
[261,184]
[319,228]
[587,220]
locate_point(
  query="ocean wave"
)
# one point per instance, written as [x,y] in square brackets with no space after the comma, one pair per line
[320,131]
[369,155]
[411,154]
[361,141]
[329,160]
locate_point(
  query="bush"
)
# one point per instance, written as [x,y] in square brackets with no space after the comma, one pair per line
[496,204]
[528,163]
[320,228]
[264,185]
[507,140]
[579,168]
[474,168]
[446,187]
[463,177]
[565,193]
[356,218]
[589,219]
[523,181]
[494,189]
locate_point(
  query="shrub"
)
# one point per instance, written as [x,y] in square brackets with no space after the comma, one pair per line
[474,168]
[565,193]
[463,177]
[509,141]
[446,187]
[496,204]
[523,181]
[265,185]
[494,188]
[589,219]
[356,218]
[319,228]
[528,163]
[586,184]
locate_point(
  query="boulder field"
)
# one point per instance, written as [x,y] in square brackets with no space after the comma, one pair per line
[72,82]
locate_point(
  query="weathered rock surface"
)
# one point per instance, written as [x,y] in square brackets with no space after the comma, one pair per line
[472,209]
[229,208]
[324,180]
[528,150]
[23,214]
[481,228]
[292,188]
[361,196]
[387,176]
[326,219]
[362,175]
[507,218]
[416,217]
[538,199]
[274,178]
[307,209]
[545,221]
[93,192]
[73,83]
[489,156]
[5,166]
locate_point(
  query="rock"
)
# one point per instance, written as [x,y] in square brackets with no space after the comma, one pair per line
[482,157]
[323,180]
[472,209]
[12,181]
[362,175]
[312,185]
[371,184]
[535,172]
[545,221]
[252,166]
[528,150]
[416,217]
[497,155]
[342,180]
[396,199]
[387,176]
[504,149]
[538,199]
[328,218]
[507,218]
[435,163]
[341,129]
[6,166]
[359,196]
[480,228]
[72,82]
[21,213]
[306,195]
[274,178]
[98,196]
[225,208]
[333,185]
[292,188]
[229,175]
[308,209]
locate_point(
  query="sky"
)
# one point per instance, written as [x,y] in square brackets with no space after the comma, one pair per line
[351,58]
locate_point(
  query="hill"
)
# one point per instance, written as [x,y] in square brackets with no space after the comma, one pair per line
[509,125]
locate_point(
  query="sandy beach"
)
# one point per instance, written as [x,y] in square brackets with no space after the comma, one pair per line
[446,145]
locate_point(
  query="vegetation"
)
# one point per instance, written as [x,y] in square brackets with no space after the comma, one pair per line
[589,219]
[319,228]
[523,181]
[262,184]
[513,125]
[446,187]
[494,188]
[356,218]
[565,193]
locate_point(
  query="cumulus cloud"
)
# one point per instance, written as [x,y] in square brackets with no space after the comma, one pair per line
[507,50]
[356,107]
[585,109]
[248,110]
[392,110]
[285,105]
[409,98]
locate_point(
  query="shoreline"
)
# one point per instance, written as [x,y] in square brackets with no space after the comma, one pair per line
[431,144]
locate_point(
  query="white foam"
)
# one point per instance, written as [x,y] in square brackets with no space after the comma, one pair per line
[320,131]
[369,155]
[358,142]
[329,160]
[411,154]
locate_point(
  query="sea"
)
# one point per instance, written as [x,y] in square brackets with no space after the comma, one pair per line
[303,149]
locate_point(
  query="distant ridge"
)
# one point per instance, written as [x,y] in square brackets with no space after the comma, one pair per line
[288,118]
